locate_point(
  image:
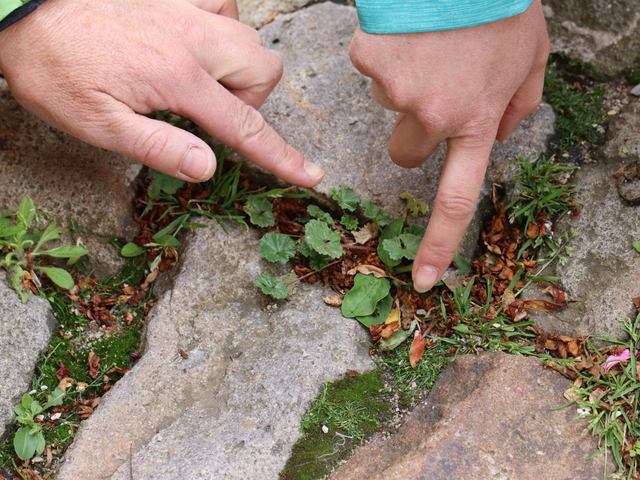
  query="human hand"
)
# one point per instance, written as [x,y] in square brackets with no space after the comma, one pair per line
[92,68]
[468,87]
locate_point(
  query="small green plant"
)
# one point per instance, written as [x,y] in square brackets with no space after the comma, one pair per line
[29,438]
[579,109]
[633,75]
[24,247]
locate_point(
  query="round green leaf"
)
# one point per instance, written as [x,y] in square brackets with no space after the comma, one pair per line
[362,299]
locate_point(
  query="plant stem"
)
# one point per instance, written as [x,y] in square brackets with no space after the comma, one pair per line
[404,269]
[348,246]
[299,279]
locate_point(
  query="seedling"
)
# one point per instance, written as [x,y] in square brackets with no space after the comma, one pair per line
[29,438]
[24,247]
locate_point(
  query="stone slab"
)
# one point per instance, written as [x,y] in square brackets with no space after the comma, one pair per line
[232,409]
[256,12]
[25,332]
[604,32]
[76,182]
[487,417]
[603,273]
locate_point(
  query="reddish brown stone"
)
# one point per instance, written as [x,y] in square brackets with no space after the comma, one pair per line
[488,417]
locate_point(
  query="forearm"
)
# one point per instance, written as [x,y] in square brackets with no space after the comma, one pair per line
[402,16]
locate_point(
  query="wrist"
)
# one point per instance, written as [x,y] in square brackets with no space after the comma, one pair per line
[12,11]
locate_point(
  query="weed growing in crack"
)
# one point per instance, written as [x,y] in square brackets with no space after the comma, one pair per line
[22,247]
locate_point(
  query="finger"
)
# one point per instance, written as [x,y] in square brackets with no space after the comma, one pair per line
[377,92]
[241,127]
[228,8]
[410,145]
[157,144]
[248,70]
[460,184]
[524,103]
[229,26]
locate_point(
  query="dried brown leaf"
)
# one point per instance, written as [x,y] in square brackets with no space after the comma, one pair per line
[368,270]
[94,365]
[366,233]
[335,299]
[417,349]
[562,369]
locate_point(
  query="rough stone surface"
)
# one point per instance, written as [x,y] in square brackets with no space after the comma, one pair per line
[25,331]
[72,180]
[603,272]
[323,108]
[605,32]
[256,12]
[487,417]
[232,409]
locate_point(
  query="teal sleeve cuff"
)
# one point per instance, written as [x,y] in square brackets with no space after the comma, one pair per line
[409,16]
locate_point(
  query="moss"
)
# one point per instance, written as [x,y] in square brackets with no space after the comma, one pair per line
[352,407]
[633,75]
[579,108]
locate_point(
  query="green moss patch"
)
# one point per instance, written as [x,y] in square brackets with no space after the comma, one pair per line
[349,409]
[578,106]
[633,75]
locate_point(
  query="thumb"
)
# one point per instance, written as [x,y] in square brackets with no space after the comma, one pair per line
[162,147]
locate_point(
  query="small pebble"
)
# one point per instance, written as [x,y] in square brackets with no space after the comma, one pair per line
[611,113]
[325,429]
[32,392]
[40,418]
[56,416]
[36,459]
[43,387]
[636,90]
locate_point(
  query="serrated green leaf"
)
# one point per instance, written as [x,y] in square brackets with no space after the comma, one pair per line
[272,286]
[65,251]
[304,248]
[349,222]
[60,277]
[323,240]
[131,250]
[24,443]
[260,211]
[26,212]
[403,246]
[415,229]
[276,247]
[393,230]
[346,198]
[317,261]
[316,212]
[161,183]
[362,299]
[383,308]
[636,245]
[375,213]
[415,206]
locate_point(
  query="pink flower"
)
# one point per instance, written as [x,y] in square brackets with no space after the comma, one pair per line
[613,360]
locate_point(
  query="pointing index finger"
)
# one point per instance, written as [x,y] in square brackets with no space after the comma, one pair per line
[460,184]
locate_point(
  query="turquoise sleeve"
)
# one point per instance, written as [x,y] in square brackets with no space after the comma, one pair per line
[408,16]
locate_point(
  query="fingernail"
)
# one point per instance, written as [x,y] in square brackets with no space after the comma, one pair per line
[314,172]
[197,164]
[425,279]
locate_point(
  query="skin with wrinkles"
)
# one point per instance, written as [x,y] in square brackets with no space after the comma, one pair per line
[468,87]
[88,68]
[93,68]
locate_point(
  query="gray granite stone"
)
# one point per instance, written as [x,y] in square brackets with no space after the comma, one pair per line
[256,12]
[25,331]
[603,273]
[605,32]
[76,182]
[232,409]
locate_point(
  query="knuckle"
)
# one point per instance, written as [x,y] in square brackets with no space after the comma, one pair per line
[150,147]
[252,125]
[456,207]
